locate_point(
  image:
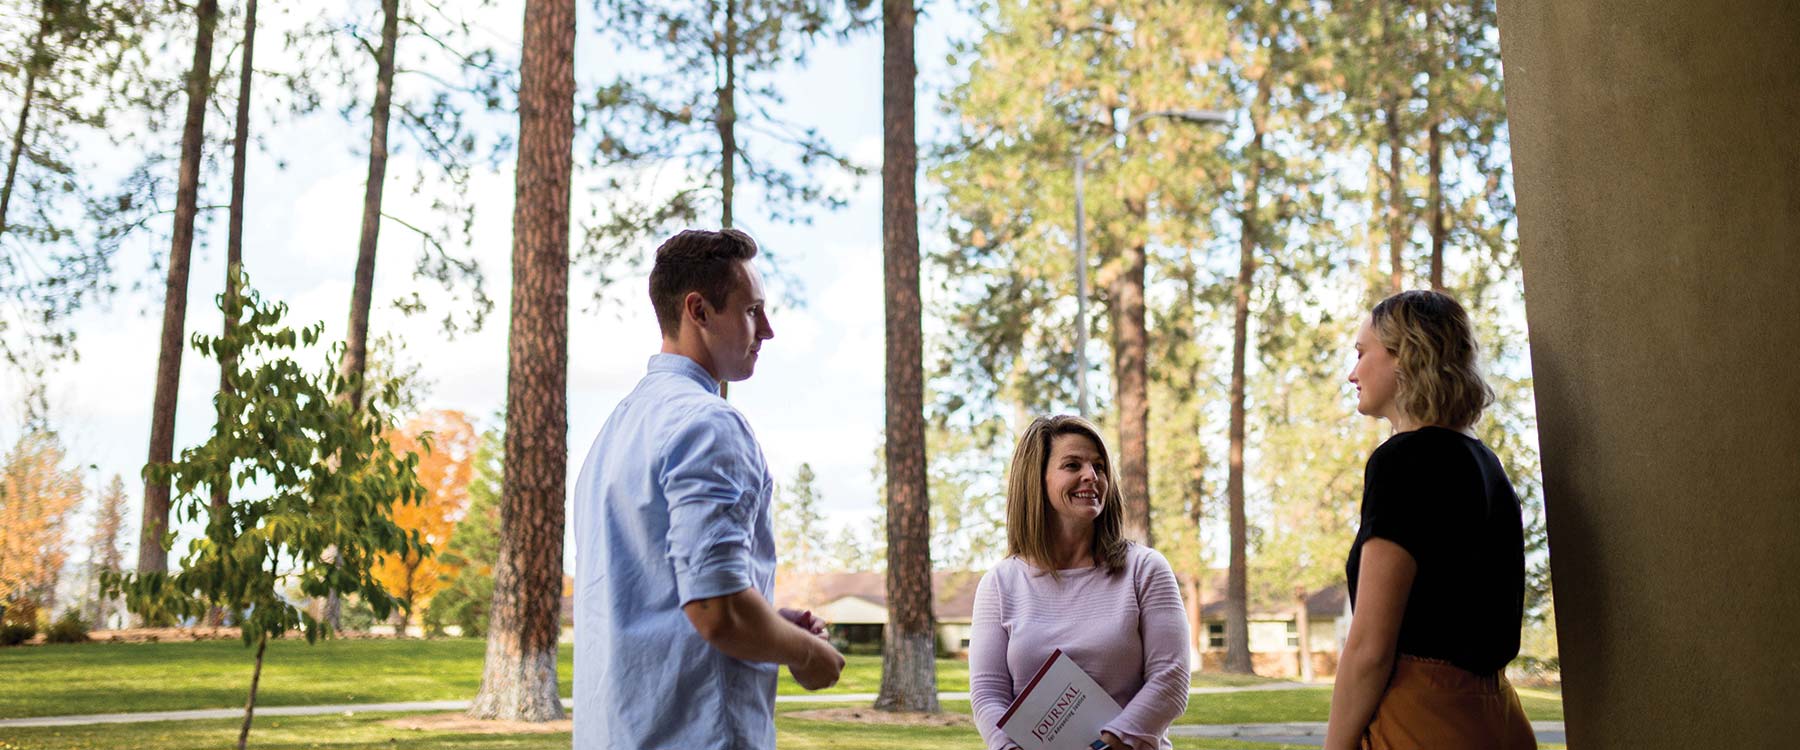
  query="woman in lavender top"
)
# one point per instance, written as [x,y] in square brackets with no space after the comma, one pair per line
[1072,581]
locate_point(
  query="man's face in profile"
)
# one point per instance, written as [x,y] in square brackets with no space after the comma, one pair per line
[735,332]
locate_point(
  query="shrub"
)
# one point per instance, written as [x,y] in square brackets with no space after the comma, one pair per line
[69,628]
[15,633]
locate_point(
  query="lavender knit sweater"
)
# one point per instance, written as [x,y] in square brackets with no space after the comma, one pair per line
[1129,630]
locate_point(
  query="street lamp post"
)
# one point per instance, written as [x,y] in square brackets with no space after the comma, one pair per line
[1081,281]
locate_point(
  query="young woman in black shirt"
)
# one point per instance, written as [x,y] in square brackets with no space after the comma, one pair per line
[1437,572]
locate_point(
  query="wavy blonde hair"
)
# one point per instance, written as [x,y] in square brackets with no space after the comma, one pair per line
[1029,531]
[1434,352]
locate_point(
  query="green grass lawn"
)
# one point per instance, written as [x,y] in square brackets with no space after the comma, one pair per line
[368,732]
[57,680]
[107,677]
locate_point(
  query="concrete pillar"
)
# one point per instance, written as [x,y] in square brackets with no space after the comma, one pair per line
[1656,147]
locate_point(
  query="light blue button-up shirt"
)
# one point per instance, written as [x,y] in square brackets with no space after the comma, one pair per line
[672,506]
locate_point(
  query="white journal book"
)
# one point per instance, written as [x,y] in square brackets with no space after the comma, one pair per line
[1062,708]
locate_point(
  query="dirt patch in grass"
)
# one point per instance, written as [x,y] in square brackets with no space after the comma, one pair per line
[460,724]
[887,718]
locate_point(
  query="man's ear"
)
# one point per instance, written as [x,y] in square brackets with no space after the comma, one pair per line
[694,306]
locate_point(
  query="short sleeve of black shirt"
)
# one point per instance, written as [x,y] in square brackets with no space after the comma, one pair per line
[1398,500]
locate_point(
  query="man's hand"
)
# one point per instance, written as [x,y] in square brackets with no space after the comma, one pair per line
[1113,741]
[821,668]
[805,620]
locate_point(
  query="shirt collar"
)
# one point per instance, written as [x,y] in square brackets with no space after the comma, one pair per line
[683,366]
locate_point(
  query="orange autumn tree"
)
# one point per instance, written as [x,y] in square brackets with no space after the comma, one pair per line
[444,470]
[37,496]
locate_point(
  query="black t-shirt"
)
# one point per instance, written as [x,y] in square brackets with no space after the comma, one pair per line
[1443,497]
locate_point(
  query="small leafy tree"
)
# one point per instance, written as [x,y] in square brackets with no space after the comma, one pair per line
[311,472]
[474,548]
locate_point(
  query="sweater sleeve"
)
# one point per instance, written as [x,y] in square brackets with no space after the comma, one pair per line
[990,681]
[1163,626]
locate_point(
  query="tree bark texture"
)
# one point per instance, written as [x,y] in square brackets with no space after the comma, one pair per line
[1390,105]
[1131,373]
[234,243]
[909,658]
[356,341]
[1237,598]
[152,558]
[18,142]
[727,118]
[362,292]
[1434,140]
[518,681]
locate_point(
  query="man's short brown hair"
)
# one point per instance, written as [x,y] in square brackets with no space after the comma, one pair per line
[696,260]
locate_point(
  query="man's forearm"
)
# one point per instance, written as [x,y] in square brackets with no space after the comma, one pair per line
[744,626]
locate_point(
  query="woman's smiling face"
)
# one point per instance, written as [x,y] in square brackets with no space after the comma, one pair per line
[1075,478]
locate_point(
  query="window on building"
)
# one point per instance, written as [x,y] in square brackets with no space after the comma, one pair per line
[1215,635]
[1293,633]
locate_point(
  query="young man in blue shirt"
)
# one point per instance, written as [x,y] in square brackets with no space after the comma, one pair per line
[676,642]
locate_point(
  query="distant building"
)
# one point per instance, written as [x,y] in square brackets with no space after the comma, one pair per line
[855,606]
[1275,630]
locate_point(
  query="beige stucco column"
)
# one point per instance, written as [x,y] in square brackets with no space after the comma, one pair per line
[1656,147]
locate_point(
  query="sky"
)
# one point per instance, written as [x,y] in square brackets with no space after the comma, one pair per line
[817,394]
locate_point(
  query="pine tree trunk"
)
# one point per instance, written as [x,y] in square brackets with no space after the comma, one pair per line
[1237,601]
[152,558]
[356,339]
[1397,235]
[18,143]
[908,654]
[727,119]
[518,681]
[234,243]
[1131,374]
[727,125]
[1434,138]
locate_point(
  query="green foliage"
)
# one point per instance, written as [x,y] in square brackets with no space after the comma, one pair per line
[1039,81]
[15,633]
[69,628]
[474,547]
[309,473]
[72,65]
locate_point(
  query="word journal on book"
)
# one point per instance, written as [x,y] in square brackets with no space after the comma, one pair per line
[1062,708]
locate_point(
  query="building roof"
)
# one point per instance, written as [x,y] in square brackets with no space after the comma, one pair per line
[1324,603]
[953,592]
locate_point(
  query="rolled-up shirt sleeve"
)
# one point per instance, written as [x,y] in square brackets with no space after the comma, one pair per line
[712,473]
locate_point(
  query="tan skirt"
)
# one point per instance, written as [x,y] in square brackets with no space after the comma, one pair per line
[1431,704]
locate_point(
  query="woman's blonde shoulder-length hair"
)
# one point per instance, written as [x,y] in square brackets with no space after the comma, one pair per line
[1434,352]
[1029,527]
